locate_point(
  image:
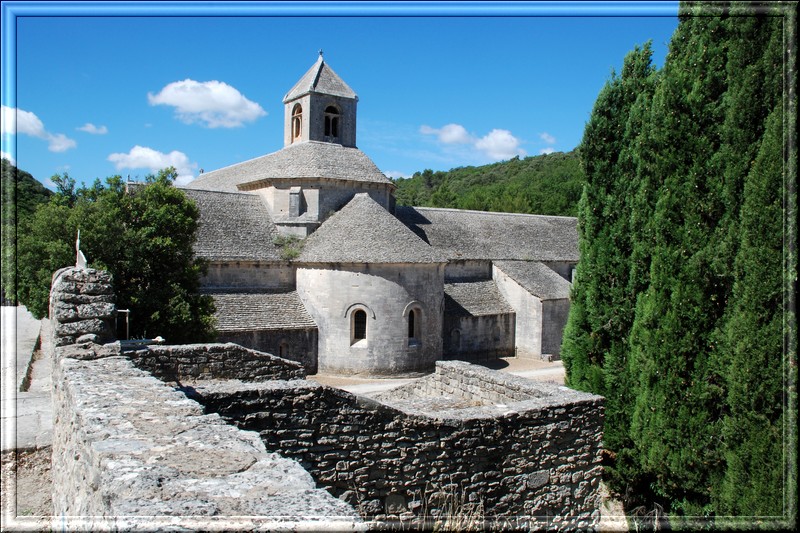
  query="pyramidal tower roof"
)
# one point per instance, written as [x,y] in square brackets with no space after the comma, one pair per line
[364,232]
[320,78]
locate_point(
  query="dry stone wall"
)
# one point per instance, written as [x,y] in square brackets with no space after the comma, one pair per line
[191,362]
[82,306]
[131,453]
[524,455]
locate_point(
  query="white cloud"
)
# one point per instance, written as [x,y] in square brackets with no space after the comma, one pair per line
[547,138]
[153,160]
[60,142]
[94,130]
[6,155]
[449,134]
[212,103]
[496,145]
[395,174]
[499,144]
[16,121]
[548,150]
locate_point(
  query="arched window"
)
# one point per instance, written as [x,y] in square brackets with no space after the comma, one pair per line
[412,331]
[331,121]
[455,340]
[297,121]
[359,326]
[283,349]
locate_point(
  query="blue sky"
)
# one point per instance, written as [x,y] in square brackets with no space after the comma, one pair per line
[96,89]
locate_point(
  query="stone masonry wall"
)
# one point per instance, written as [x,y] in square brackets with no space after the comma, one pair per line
[298,344]
[131,453]
[82,306]
[191,362]
[531,461]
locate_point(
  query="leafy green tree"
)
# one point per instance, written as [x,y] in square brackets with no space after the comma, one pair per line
[144,237]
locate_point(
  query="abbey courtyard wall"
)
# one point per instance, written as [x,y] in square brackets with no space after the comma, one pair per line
[197,435]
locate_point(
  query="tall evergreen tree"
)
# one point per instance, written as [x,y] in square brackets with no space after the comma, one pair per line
[595,348]
[679,397]
[754,449]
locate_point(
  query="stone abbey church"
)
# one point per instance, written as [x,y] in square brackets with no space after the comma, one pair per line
[376,289]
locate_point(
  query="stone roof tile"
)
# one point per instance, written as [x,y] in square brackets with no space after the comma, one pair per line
[320,78]
[309,159]
[260,310]
[233,226]
[536,278]
[364,232]
[474,298]
[461,234]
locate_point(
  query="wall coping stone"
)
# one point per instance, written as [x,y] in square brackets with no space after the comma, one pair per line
[143,452]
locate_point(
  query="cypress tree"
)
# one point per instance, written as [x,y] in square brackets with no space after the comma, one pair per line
[595,347]
[678,399]
[754,452]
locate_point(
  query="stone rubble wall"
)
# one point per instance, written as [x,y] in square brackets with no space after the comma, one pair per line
[82,306]
[469,382]
[191,362]
[131,453]
[529,464]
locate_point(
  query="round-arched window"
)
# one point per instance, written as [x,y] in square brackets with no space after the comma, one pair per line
[331,121]
[297,121]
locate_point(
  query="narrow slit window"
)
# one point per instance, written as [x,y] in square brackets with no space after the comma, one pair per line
[412,332]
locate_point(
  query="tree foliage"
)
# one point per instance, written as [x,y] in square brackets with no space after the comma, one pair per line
[548,184]
[21,194]
[677,315]
[143,236]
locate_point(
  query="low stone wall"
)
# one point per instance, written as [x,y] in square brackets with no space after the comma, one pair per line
[131,453]
[464,440]
[192,362]
[294,344]
[82,306]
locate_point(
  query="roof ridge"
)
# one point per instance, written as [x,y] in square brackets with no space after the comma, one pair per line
[495,213]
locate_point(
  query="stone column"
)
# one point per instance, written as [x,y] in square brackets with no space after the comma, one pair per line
[82,308]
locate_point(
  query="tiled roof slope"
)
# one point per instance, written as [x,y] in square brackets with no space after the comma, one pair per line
[257,311]
[364,232]
[310,159]
[474,298]
[233,226]
[320,78]
[537,278]
[464,234]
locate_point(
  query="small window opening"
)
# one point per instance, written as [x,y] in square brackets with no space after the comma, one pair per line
[283,349]
[331,121]
[359,325]
[411,325]
[297,121]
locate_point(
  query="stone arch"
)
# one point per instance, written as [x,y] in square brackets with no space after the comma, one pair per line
[297,122]
[414,314]
[332,121]
[359,314]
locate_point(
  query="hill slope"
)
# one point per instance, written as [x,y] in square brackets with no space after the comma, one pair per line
[548,184]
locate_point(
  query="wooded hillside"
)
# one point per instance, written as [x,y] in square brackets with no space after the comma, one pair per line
[545,185]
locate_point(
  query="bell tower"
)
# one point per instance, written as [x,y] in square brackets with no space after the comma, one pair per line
[320,107]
